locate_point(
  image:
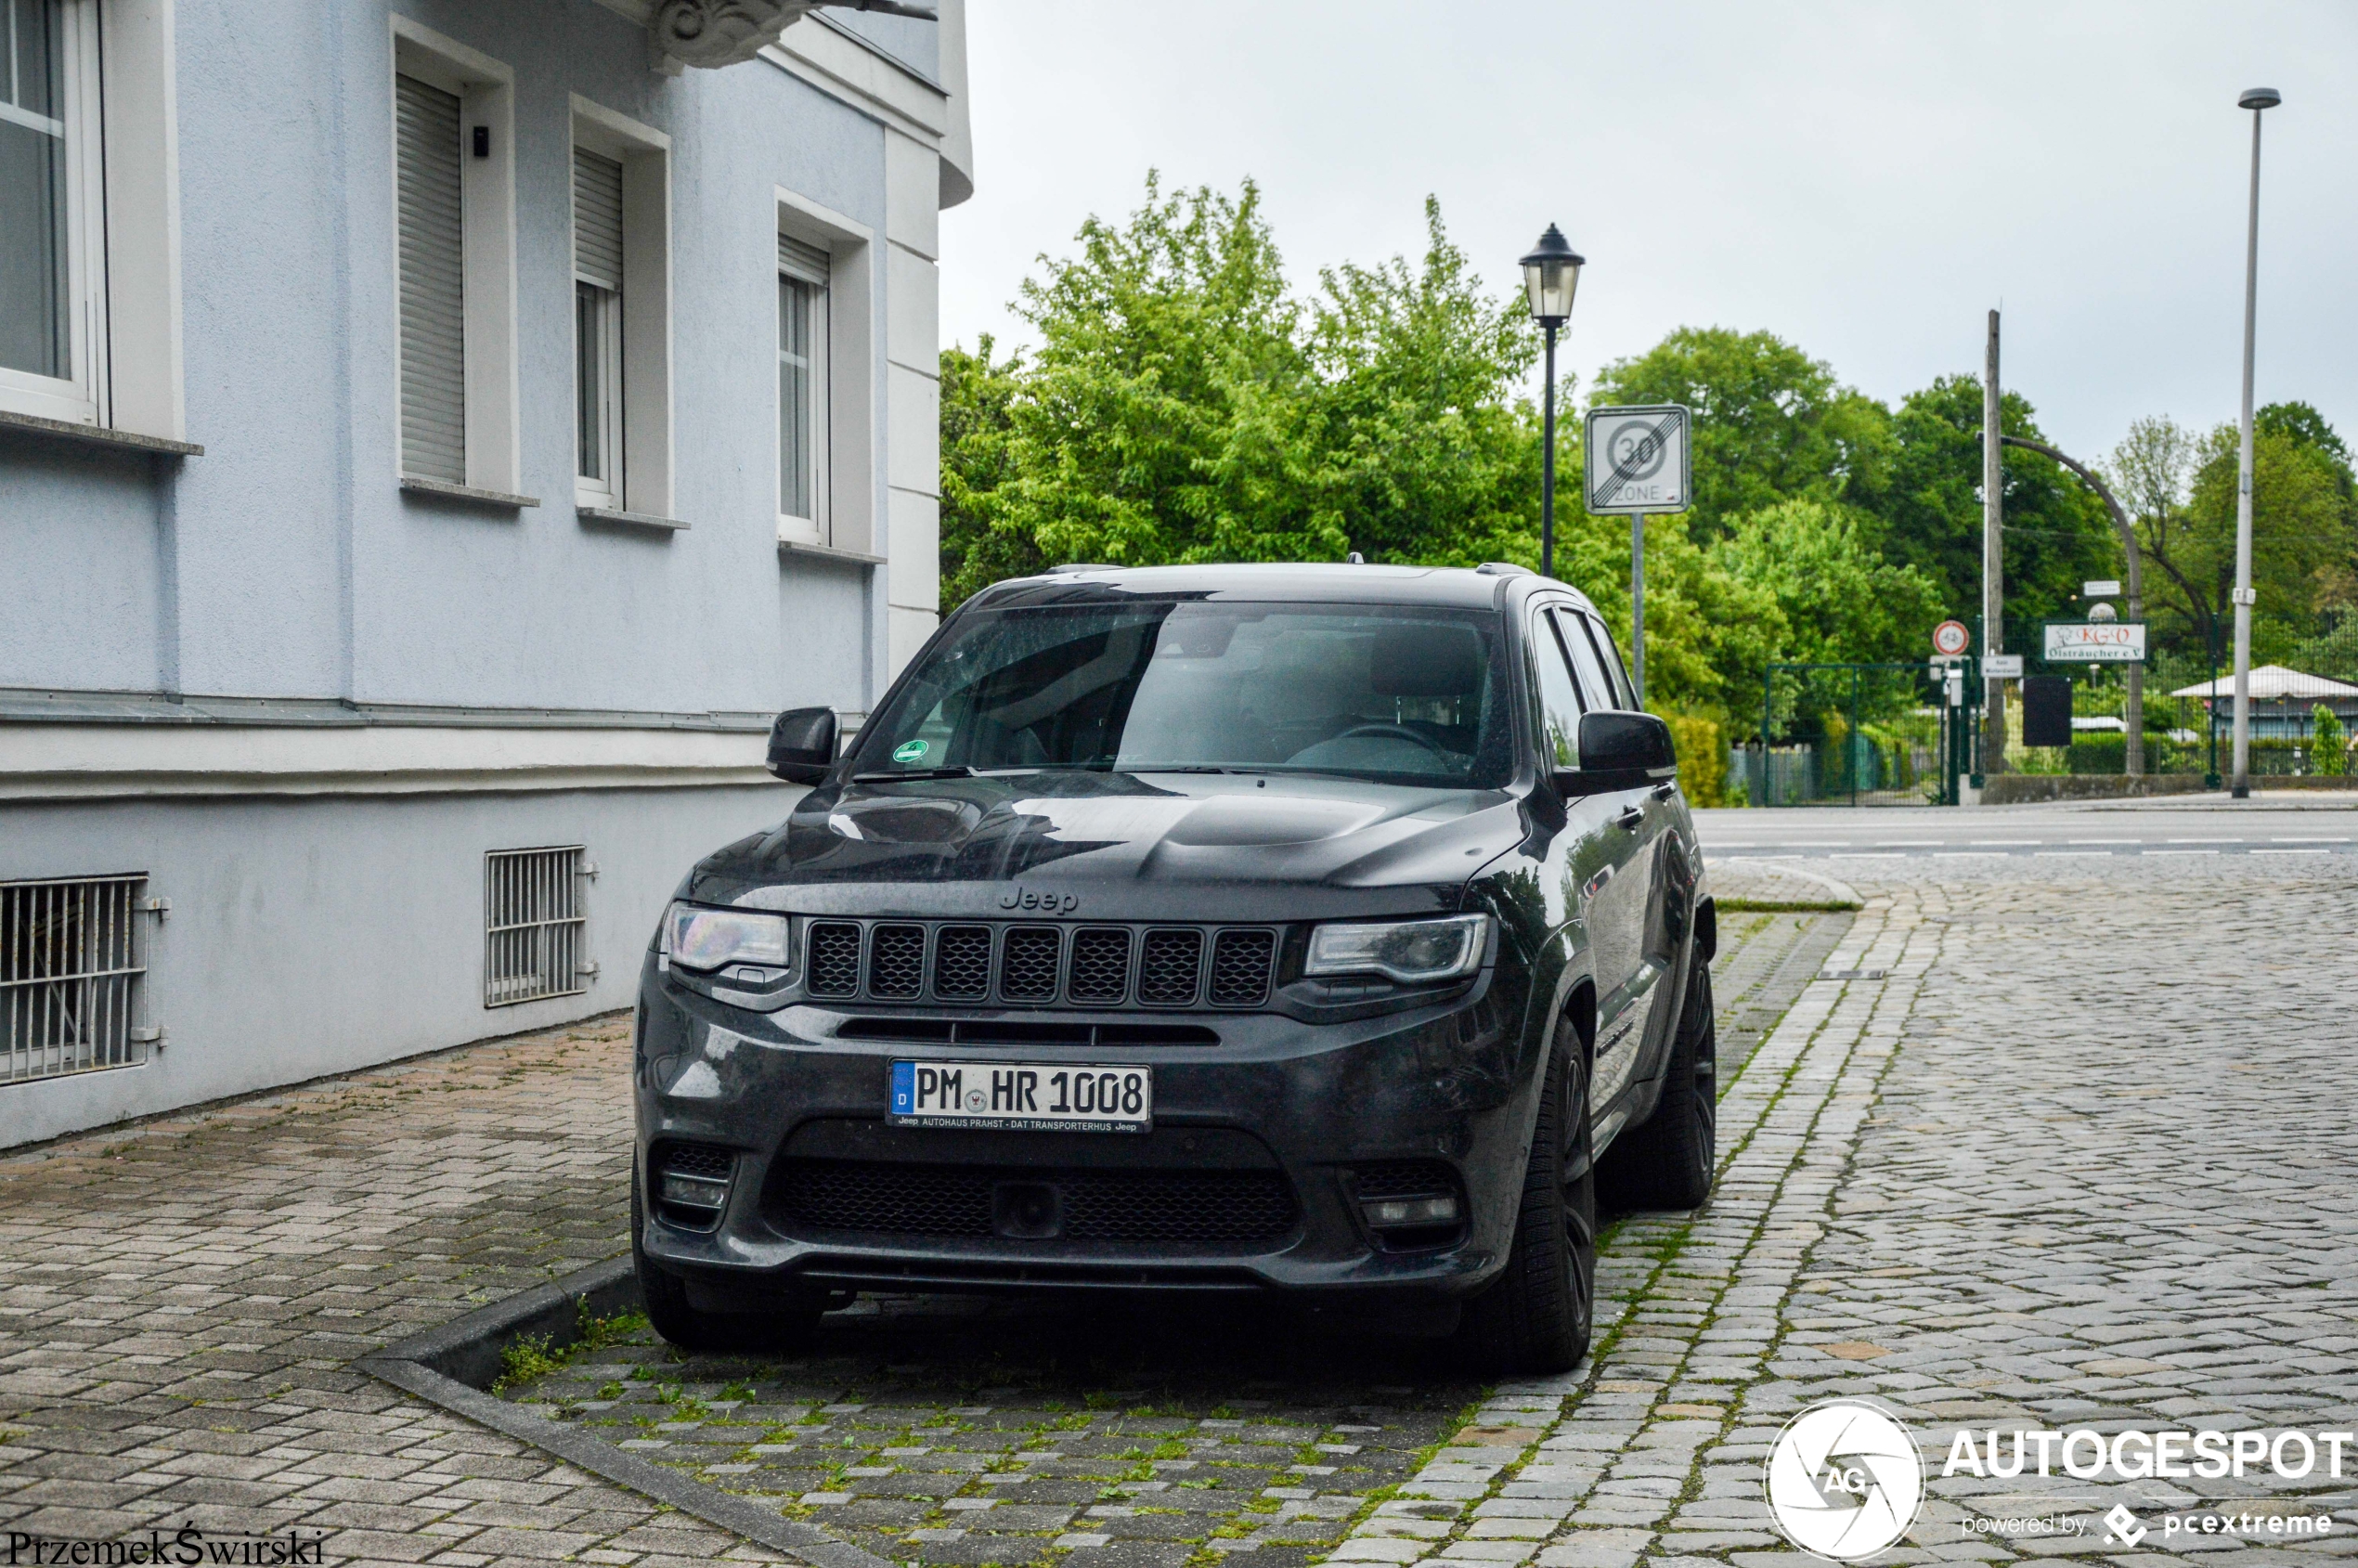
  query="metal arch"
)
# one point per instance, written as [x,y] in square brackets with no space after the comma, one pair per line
[2134,754]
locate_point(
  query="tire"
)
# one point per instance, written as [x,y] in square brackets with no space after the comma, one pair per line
[1666,1161]
[664,1297]
[1537,1317]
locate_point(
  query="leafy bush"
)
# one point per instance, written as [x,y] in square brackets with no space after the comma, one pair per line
[2332,741]
[1702,758]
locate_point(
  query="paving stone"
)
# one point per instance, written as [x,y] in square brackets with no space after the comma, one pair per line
[2039,1170]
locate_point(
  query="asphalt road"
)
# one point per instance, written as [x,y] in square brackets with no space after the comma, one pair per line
[2326,824]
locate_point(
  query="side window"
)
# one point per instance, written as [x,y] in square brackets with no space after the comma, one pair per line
[597,326]
[1607,658]
[1560,705]
[52,233]
[434,310]
[1570,626]
[803,275]
[621,315]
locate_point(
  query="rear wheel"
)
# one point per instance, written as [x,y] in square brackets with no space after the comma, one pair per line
[1668,1162]
[664,1296]
[1538,1315]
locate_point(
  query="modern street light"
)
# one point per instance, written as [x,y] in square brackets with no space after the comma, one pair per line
[1549,275]
[2256,99]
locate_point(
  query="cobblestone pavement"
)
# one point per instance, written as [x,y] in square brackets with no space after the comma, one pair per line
[2075,1147]
[1766,956]
[179,1300]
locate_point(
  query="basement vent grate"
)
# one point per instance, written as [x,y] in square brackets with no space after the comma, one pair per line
[71,963]
[533,921]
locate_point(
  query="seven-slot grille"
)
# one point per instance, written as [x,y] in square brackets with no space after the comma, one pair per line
[1038,963]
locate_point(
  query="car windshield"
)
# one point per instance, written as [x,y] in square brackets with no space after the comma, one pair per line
[1401,695]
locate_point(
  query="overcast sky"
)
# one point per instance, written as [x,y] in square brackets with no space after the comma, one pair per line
[1866,180]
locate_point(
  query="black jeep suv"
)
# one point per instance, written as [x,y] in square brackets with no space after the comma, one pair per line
[1324,930]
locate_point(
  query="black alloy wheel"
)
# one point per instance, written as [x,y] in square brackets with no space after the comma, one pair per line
[1538,1315]
[1668,1160]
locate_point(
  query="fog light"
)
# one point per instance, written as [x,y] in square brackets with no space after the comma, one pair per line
[694,1192]
[1386,1214]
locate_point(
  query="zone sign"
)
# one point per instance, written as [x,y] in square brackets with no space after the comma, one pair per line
[1639,459]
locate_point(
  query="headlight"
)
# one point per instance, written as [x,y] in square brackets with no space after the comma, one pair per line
[696,937]
[1407,950]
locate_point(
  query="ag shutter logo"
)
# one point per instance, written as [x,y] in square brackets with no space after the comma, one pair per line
[1845,1480]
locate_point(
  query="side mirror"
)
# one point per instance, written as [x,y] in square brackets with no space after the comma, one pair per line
[1620,751]
[802,745]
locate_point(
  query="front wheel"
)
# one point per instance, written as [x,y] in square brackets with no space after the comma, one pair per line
[1668,1162]
[1537,1316]
[664,1297]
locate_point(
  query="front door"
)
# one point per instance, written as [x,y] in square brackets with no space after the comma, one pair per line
[1605,884]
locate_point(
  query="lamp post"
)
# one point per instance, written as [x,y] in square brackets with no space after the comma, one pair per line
[1549,275]
[2256,99]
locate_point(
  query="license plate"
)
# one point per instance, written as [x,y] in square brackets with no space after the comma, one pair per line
[1022,1096]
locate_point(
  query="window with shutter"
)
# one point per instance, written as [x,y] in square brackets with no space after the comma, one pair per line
[434,394]
[597,294]
[52,294]
[802,386]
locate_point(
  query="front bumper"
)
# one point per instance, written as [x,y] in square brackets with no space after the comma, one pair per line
[1262,1146]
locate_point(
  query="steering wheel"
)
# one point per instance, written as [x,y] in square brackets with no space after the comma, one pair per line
[1393,731]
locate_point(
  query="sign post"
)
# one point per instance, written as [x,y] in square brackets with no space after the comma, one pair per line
[1951,638]
[1639,461]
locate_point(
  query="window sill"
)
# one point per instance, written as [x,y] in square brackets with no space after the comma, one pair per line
[412,485]
[617,517]
[828,552]
[98,435]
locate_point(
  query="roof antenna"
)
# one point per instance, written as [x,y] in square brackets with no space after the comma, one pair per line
[1355,559]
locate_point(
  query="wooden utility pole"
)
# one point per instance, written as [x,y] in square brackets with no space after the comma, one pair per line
[1993,563]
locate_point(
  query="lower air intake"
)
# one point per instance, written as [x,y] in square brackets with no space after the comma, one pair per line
[1201,1208]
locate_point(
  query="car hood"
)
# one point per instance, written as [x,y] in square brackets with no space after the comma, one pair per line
[1118,846]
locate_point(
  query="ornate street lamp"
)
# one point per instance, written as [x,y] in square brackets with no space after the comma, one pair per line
[1549,275]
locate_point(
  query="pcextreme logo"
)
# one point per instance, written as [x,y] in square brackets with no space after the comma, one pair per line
[1845,1480]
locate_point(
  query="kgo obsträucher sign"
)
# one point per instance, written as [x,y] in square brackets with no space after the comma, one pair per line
[2095,642]
[1639,459]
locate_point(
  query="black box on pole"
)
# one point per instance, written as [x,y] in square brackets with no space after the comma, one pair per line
[2046,710]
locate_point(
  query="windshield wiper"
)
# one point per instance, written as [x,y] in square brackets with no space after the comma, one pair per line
[1187,768]
[955,771]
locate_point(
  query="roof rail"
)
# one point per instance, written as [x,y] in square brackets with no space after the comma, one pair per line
[1502,569]
[1078,566]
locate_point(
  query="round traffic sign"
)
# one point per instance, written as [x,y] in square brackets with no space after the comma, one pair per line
[1951,637]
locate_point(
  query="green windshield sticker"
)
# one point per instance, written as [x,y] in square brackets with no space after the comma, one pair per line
[909,751]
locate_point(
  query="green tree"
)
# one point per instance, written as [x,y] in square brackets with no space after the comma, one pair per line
[1770,424]
[1165,418]
[2336,579]
[1427,457]
[979,546]
[1707,632]
[2300,532]
[1838,598]
[1925,503]
[2151,472]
